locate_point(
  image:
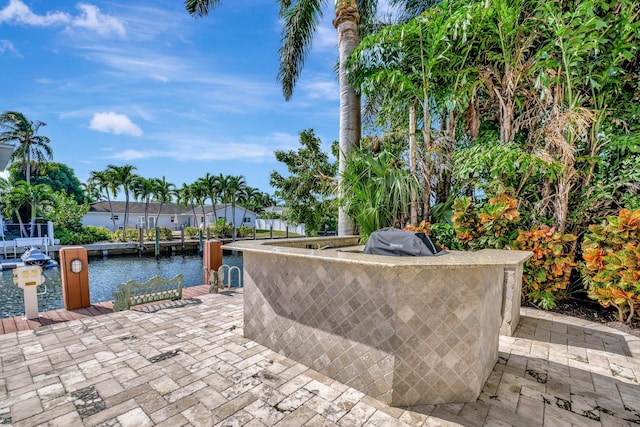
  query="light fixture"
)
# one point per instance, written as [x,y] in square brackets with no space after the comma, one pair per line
[76,265]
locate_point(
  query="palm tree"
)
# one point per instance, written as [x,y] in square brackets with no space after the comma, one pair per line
[13,200]
[212,185]
[223,188]
[102,182]
[162,193]
[184,197]
[300,21]
[143,189]
[236,188]
[123,176]
[17,128]
[199,194]
[25,194]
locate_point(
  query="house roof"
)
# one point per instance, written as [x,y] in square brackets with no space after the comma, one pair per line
[167,208]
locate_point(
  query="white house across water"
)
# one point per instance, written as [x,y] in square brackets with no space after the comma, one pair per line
[170,215]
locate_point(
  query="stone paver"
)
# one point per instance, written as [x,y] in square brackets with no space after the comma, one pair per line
[192,366]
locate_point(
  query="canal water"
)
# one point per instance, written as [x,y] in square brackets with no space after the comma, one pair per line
[104,276]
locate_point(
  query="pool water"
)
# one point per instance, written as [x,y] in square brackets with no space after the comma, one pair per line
[104,276]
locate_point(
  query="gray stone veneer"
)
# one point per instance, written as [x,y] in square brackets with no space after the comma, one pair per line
[407,331]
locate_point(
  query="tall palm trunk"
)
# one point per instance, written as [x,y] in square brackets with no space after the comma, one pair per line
[412,163]
[113,219]
[23,231]
[346,23]
[27,172]
[126,215]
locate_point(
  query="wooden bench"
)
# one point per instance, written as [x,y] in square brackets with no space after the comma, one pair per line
[155,289]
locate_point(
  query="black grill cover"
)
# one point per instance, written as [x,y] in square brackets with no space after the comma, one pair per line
[396,242]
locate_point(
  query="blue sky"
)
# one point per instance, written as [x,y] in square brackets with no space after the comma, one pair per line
[143,83]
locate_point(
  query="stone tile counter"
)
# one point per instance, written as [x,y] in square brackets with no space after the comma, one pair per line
[405,330]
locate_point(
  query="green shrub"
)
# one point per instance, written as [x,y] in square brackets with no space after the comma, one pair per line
[132,235]
[611,270]
[86,235]
[441,234]
[546,275]
[221,230]
[490,225]
[98,234]
[493,225]
[165,234]
[245,231]
[191,232]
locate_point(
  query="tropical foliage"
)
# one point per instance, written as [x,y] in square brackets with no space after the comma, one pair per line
[308,191]
[376,190]
[547,274]
[611,251]
[535,98]
[16,128]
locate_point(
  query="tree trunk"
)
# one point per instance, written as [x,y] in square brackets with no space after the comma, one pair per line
[27,171]
[561,202]
[126,216]
[115,226]
[23,231]
[426,200]
[346,23]
[413,212]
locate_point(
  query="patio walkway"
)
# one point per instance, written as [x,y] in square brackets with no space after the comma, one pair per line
[190,365]
[19,323]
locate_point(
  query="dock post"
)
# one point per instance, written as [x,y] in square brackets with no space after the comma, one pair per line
[201,245]
[182,238]
[157,243]
[212,258]
[141,243]
[74,277]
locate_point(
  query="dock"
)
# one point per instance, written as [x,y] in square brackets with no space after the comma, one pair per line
[18,323]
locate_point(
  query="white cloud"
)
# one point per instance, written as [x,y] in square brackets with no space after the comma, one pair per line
[326,39]
[114,123]
[90,18]
[18,12]
[7,46]
[128,155]
[318,87]
[191,148]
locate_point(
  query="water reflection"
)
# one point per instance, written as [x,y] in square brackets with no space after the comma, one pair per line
[104,276]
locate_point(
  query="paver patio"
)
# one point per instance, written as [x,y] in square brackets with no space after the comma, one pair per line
[191,365]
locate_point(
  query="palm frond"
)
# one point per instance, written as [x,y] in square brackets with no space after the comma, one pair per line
[300,22]
[200,7]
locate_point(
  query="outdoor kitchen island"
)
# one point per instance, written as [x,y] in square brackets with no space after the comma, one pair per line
[404,330]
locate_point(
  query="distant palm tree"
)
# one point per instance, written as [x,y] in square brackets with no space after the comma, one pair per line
[212,185]
[102,182]
[123,177]
[236,189]
[251,197]
[184,197]
[162,193]
[199,193]
[24,194]
[91,193]
[223,188]
[143,190]
[17,128]
[13,200]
